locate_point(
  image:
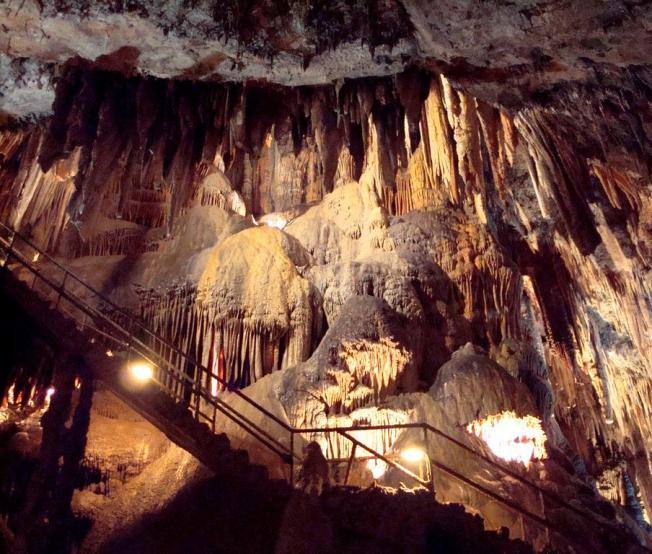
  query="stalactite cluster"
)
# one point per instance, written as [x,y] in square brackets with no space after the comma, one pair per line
[337,447]
[365,357]
[231,347]
[122,241]
[227,322]
[40,198]
[526,232]
[417,137]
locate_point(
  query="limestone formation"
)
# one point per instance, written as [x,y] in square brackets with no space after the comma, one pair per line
[359,214]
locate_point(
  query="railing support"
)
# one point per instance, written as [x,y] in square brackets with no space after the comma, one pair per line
[291,458]
[197,393]
[350,463]
[546,530]
[10,247]
[62,290]
[431,477]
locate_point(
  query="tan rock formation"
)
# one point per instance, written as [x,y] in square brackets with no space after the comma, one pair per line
[409,215]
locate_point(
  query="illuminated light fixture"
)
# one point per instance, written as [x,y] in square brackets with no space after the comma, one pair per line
[512,438]
[276,220]
[413,454]
[48,396]
[377,468]
[141,371]
[109,353]
[35,258]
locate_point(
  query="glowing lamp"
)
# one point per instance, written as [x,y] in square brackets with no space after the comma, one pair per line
[276,220]
[377,468]
[512,438]
[141,372]
[413,454]
[48,397]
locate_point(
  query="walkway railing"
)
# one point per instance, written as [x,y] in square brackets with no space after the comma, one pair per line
[189,382]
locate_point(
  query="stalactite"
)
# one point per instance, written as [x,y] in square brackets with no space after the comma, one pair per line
[429,180]
[337,447]
[119,242]
[41,199]
[209,329]
[155,153]
[559,178]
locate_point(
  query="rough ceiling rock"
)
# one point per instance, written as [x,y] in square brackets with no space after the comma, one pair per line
[502,51]
[529,44]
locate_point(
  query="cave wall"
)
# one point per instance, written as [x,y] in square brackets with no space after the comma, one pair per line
[526,231]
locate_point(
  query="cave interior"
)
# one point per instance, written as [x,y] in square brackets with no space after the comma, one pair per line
[325,276]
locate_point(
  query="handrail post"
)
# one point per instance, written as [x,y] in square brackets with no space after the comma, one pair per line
[10,246]
[432,476]
[197,394]
[128,366]
[431,473]
[292,458]
[348,466]
[61,290]
[546,529]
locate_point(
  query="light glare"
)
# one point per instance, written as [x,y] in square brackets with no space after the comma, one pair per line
[377,468]
[276,220]
[413,454]
[512,438]
[48,397]
[141,371]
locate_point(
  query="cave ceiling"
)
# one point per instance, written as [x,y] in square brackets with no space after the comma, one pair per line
[506,52]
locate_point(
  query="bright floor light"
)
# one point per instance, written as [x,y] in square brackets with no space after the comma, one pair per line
[413,454]
[141,371]
[377,468]
[48,397]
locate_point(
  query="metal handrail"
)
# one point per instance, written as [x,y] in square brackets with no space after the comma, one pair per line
[287,454]
[139,324]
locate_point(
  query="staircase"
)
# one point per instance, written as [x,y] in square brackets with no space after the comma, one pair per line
[178,400]
[173,419]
